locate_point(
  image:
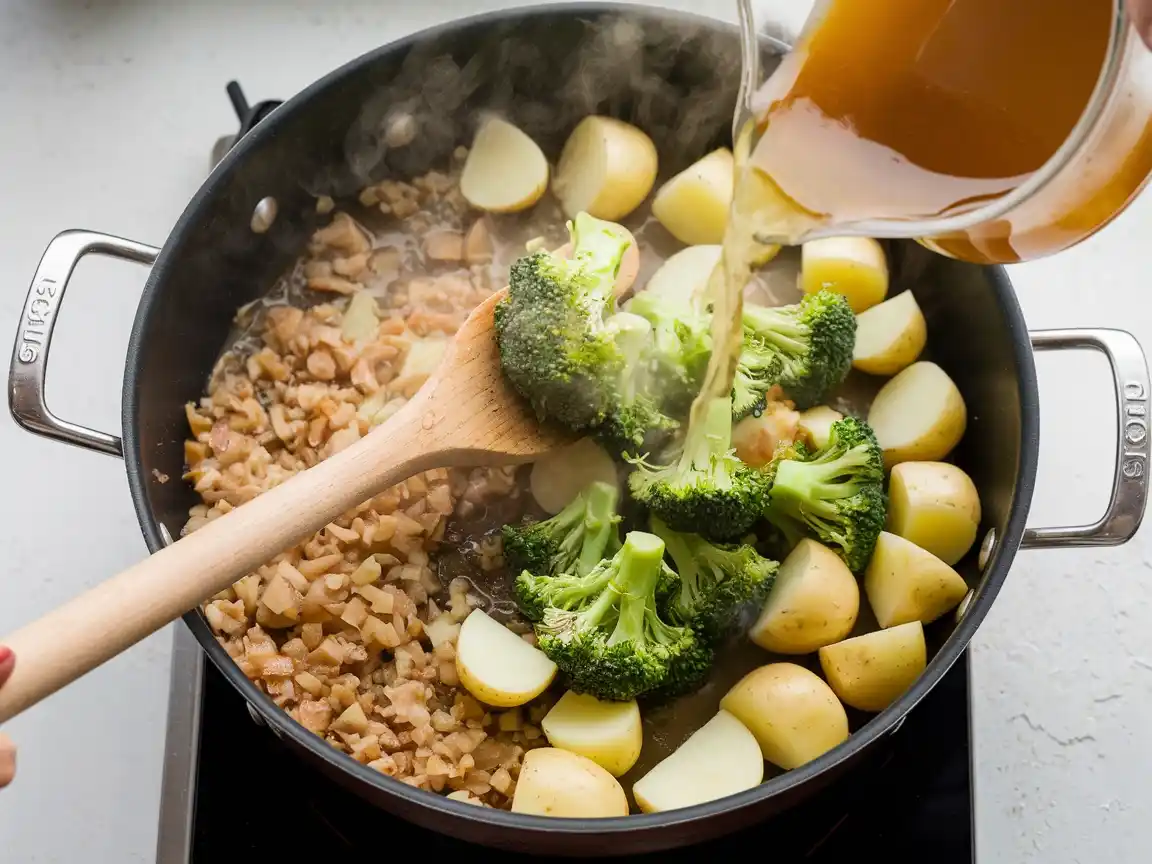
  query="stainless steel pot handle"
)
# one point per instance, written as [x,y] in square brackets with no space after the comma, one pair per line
[1130,484]
[33,339]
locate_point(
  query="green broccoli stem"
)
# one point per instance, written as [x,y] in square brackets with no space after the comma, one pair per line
[599,523]
[708,439]
[811,483]
[641,563]
[685,560]
[777,328]
[569,518]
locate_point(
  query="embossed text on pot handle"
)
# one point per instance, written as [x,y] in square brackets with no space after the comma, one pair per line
[1130,483]
[34,336]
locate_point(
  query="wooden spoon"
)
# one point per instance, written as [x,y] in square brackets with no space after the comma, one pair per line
[464,416]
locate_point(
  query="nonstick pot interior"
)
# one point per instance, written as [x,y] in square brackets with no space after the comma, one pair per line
[545,68]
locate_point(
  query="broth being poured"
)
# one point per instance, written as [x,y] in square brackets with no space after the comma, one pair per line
[891,117]
[898,113]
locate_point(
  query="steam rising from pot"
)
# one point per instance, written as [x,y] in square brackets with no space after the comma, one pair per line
[674,79]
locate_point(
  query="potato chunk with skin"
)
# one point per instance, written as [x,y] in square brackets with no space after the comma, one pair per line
[560,783]
[608,733]
[505,171]
[936,506]
[814,602]
[564,473]
[694,204]
[497,666]
[854,267]
[872,671]
[794,715]
[890,336]
[720,759]
[606,169]
[919,415]
[684,275]
[905,583]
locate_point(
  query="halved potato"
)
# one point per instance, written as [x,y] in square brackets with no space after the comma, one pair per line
[816,425]
[814,602]
[793,714]
[905,583]
[694,204]
[561,475]
[872,671]
[936,506]
[497,666]
[890,336]
[854,267]
[608,733]
[720,759]
[607,168]
[505,171]
[684,275]
[561,783]
[919,415]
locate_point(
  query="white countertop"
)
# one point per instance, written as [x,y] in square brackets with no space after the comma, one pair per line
[109,111]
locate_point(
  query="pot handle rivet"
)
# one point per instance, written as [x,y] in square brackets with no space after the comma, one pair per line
[34,337]
[1134,445]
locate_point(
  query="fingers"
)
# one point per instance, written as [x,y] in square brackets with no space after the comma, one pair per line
[7,748]
[7,760]
[1141,12]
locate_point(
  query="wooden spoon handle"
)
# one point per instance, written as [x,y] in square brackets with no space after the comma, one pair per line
[85,632]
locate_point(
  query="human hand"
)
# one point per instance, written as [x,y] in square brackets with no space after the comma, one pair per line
[7,748]
[1141,12]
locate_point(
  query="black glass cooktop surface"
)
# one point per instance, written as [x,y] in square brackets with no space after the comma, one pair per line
[914,800]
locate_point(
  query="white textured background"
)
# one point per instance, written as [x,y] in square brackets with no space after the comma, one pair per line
[107,114]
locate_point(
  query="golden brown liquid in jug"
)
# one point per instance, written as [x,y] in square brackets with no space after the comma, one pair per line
[907,110]
[915,109]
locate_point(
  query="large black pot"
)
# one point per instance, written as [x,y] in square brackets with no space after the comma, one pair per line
[672,74]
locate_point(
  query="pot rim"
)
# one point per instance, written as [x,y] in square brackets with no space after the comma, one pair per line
[283,725]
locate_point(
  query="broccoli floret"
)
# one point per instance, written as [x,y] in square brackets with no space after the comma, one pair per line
[634,420]
[813,340]
[681,345]
[757,371]
[664,370]
[604,632]
[573,541]
[707,490]
[835,494]
[716,582]
[556,345]
[635,428]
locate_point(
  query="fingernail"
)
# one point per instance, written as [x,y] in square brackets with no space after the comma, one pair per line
[6,658]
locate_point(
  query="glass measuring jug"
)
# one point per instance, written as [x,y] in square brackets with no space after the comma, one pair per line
[992,131]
